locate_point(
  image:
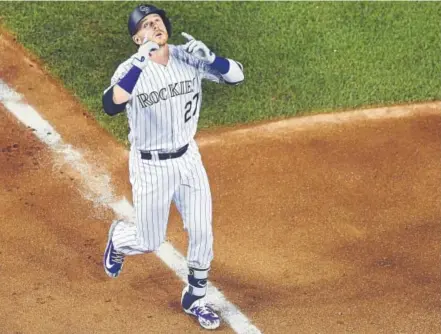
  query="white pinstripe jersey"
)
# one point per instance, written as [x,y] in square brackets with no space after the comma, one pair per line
[163,111]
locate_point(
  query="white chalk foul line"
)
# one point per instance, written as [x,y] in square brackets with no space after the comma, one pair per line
[99,190]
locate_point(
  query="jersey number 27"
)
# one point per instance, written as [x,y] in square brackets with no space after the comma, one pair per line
[188,107]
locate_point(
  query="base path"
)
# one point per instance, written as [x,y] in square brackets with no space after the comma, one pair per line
[323,224]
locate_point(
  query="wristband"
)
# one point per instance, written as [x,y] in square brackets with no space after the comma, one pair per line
[220,64]
[128,82]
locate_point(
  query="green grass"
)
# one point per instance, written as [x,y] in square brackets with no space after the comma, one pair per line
[299,57]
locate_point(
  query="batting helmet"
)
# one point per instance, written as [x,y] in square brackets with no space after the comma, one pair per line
[142,11]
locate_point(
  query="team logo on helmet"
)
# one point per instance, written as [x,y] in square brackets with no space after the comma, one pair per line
[144,9]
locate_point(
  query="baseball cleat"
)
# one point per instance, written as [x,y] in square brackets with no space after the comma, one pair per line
[207,318]
[113,260]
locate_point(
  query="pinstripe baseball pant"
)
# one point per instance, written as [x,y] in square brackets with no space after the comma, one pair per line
[155,184]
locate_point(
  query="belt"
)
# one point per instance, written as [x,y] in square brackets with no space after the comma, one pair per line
[165,156]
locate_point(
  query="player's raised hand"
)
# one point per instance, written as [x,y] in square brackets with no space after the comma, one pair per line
[144,53]
[198,49]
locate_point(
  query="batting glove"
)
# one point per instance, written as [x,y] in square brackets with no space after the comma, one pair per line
[198,49]
[144,53]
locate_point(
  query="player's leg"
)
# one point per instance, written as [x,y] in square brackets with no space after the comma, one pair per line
[153,185]
[193,200]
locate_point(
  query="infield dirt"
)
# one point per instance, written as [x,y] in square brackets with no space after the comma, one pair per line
[323,224]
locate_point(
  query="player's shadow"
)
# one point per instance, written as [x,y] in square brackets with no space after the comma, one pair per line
[250,296]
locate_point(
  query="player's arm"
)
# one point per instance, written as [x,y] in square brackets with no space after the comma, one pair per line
[230,70]
[115,98]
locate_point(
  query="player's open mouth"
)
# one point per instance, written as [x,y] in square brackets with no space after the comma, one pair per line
[159,34]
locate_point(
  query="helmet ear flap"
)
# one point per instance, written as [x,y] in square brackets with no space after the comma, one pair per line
[167,23]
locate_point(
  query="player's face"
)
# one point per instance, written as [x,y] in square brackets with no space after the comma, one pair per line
[153,28]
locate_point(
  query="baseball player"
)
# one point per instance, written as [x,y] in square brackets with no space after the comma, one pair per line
[160,88]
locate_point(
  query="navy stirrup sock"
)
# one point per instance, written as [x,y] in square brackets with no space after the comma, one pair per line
[197,286]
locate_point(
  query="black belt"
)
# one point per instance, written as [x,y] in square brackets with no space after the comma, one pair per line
[165,156]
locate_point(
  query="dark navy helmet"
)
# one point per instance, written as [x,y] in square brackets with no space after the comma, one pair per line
[142,11]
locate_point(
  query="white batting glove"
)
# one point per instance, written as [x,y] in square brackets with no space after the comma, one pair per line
[144,53]
[198,49]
